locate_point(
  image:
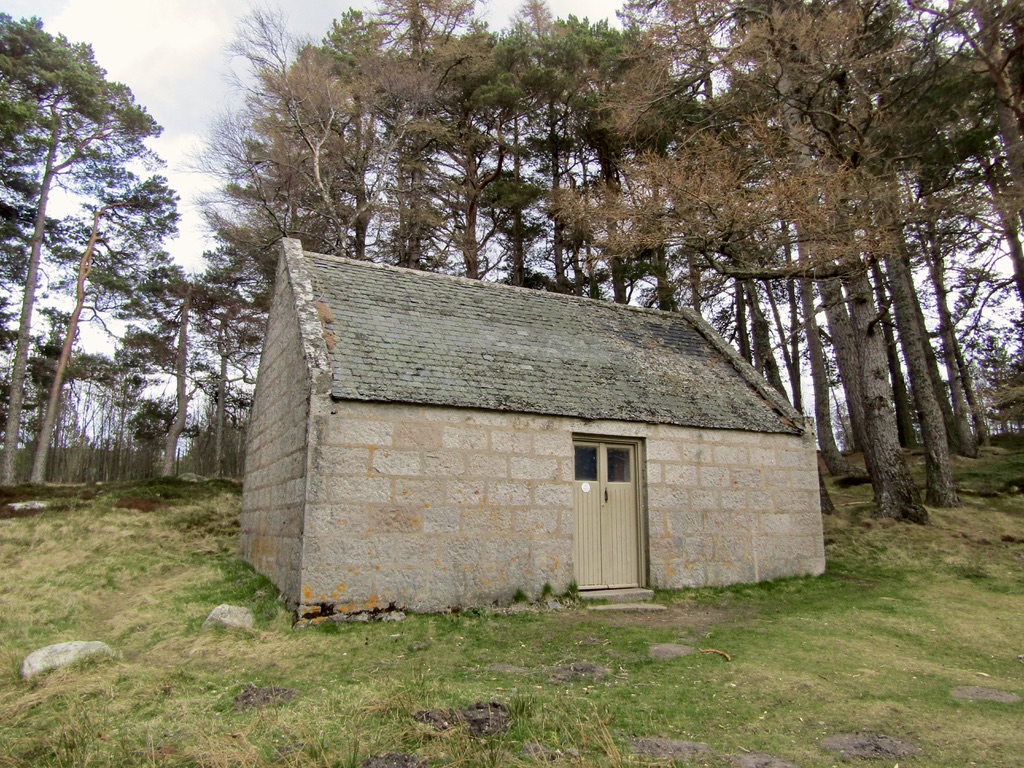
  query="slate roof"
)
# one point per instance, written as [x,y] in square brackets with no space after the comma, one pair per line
[415,337]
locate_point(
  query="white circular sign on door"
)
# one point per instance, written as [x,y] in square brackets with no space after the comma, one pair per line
[585,487]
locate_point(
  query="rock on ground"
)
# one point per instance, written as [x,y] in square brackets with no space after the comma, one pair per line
[60,655]
[230,617]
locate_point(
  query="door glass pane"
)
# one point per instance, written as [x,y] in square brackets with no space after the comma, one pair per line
[618,465]
[586,462]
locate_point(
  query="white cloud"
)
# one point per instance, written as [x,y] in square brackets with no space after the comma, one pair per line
[172,55]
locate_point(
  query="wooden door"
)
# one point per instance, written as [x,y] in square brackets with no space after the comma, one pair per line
[606,547]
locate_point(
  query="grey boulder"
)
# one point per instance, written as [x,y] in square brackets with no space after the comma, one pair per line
[60,655]
[229,617]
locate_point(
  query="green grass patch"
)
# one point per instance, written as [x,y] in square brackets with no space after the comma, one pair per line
[902,617]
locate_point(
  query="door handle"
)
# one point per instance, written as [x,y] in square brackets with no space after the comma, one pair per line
[605,495]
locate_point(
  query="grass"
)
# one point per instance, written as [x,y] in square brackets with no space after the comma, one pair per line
[904,615]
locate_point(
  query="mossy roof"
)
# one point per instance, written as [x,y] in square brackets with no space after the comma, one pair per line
[399,335]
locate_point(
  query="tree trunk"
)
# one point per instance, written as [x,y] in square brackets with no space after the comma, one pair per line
[827,507]
[763,354]
[742,336]
[181,395]
[900,396]
[990,46]
[845,347]
[860,351]
[664,290]
[695,288]
[940,489]
[795,372]
[16,397]
[790,351]
[938,384]
[837,465]
[222,394]
[57,387]
[964,440]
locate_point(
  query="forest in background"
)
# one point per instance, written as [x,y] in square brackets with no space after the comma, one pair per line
[835,185]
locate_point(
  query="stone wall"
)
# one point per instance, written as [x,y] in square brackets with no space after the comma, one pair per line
[275,463]
[431,507]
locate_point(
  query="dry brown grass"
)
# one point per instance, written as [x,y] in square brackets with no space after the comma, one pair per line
[906,614]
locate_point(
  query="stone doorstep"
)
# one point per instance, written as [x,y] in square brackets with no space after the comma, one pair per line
[630,595]
[628,607]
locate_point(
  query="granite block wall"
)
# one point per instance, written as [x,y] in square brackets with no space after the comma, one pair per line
[273,499]
[431,507]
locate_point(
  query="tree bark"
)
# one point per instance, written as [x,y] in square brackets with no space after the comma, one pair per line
[964,440]
[790,351]
[222,394]
[900,396]
[845,347]
[16,397]
[989,44]
[862,354]
[940,489]
[837,465]
[763,353]
[742,336]
[57,387]
[181,387]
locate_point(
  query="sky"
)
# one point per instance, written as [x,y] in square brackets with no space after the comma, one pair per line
[173,55]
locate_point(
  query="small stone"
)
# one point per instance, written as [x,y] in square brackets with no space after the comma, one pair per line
[666,651]
[393,616]
[229,617]
[60,655]
[554,605]
[191,477]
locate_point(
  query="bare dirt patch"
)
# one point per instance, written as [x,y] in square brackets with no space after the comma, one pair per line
[139,504]
[252,696]
[579,670]
[394,760]
[683,615]
[668,651]
[869,746]
[980,693]
[669,749]
[759,760]
[480,719]
[22,509]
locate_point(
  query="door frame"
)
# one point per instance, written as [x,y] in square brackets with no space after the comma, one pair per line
[638,444]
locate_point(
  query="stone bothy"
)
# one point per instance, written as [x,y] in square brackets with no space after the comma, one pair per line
[431,442]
